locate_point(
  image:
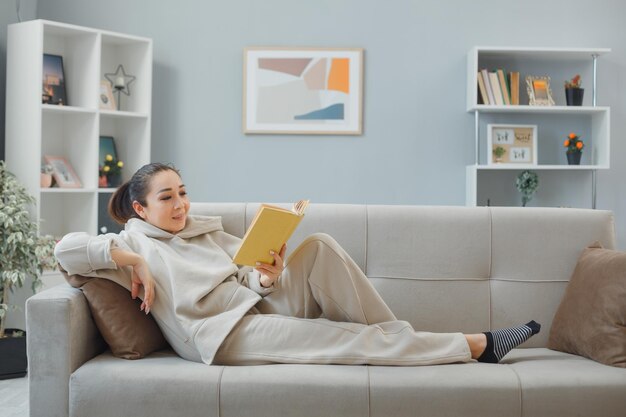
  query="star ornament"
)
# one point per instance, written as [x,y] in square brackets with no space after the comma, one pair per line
[120,81]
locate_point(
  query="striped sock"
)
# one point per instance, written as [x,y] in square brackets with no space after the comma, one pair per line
[500,342]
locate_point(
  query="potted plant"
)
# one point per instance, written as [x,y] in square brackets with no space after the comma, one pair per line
[110,172]
[574,146]
[527,183]
[22,254]
[46,176]
[498,153]
[573,93]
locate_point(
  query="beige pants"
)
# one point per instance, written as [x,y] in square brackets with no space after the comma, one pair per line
[326,311]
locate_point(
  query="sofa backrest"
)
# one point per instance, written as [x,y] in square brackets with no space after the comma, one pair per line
[448,269]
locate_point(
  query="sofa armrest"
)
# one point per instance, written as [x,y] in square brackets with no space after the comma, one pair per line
[61,336]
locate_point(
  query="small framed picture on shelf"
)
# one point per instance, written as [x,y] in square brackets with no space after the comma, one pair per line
[105,98]
[53,81]
[539,92]
[62,172]
[511,144]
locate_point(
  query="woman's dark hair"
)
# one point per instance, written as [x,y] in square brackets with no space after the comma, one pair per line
[136,189]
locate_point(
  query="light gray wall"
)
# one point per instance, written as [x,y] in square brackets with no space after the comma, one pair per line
[8,15]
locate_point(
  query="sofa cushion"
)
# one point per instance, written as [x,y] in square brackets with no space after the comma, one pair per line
[161,384]
[591,319]
[557,384]
[129,332]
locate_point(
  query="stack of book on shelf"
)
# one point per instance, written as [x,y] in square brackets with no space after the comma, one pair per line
[497,89]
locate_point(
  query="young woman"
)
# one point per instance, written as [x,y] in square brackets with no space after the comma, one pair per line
[319,307]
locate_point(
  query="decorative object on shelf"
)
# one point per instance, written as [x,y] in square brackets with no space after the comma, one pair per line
[517,144]
[62,172]
[120,82]
[106,100]
[53,81]
[22,254]
[539,92]
[45,180]
[527,183]
[110,168]
[303,91]
[574,146]
[498,152]
[573,93]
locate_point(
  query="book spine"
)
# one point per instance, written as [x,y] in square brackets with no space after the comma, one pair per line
[504,87]
[488,86]
[482,90]
[514,78]
[495,85]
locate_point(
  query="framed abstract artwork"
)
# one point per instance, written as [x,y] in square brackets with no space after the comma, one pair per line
[303,91]
[512,144]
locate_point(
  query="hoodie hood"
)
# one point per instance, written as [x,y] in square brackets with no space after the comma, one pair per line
[195,226]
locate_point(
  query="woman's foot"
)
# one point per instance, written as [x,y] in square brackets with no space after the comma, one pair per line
[491,347]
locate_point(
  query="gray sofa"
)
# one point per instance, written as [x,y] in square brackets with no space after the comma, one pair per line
[441,268]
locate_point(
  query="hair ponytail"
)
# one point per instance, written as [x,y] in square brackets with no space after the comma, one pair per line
[121,203]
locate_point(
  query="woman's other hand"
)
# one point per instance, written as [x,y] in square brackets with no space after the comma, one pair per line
[141,276]
[271,272]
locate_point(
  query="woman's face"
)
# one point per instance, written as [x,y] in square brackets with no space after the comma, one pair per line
[166,202]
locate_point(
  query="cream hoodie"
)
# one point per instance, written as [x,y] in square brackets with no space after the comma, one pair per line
[200,293]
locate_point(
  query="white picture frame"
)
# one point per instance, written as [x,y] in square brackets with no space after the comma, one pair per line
[519,143]
[309,91]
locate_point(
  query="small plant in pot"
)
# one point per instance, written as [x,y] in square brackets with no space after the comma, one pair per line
[574,145]
[573,92]
[498,153]
[22,254]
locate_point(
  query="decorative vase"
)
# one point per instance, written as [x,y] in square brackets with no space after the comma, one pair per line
[13,362]
[574,158]
[574,96]
[45,180]
[102,181]
[114,180]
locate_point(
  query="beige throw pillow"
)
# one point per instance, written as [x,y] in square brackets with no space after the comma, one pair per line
[129,332]
[591,319]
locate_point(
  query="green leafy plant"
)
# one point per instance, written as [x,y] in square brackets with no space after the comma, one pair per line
[527,183]
[112,166]
[499,151]
[23,252]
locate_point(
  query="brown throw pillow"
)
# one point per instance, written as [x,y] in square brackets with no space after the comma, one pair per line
[591,319]
[129,332]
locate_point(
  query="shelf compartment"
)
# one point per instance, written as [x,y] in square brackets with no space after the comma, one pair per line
[135,55]
[80,51]
[72,136]
[62,213]
[485,108]
[132,140]
[497,188]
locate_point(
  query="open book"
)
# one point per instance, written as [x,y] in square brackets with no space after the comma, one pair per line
[270,229]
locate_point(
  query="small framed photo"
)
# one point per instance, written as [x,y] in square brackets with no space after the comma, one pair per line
[105,98]
[307,91]
[63,172]
[512,144]
[53,81]
[539,92]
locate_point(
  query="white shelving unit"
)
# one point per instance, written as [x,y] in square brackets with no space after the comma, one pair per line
[34,129]
[483,181]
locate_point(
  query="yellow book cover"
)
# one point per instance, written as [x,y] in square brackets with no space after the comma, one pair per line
[271,228]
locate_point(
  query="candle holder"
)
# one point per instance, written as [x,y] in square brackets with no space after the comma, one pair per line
[120,82]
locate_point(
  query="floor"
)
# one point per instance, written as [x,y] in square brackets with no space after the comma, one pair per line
[14,397]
